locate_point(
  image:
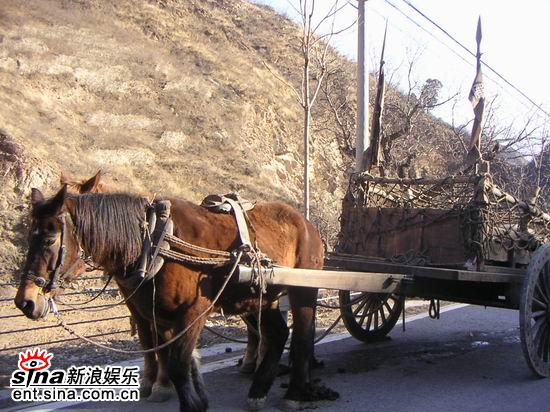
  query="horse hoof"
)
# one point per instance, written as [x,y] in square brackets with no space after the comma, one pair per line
[160,393]
[255,404]
[247,368]
[289,405]
[145,390]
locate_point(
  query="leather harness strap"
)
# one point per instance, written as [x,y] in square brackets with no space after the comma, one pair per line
[228,203]
[242,226]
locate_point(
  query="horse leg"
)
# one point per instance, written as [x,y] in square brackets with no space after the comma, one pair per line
[251,353]
[183,369]
[162,389]
[150,364]
[196,376]
[275,333]
[303,304]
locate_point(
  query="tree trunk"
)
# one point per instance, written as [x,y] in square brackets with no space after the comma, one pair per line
[307,117]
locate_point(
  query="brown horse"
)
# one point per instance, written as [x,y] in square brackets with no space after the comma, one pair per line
[108,226]
[155,386]
[77,185]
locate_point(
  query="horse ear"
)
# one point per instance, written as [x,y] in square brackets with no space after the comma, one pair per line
[36,196]
[65,178]
[59,199]
[91,185]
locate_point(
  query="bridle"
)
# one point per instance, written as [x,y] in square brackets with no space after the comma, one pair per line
[57,277]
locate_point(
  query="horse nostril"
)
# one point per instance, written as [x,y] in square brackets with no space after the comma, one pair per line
[20,304]
[27,307]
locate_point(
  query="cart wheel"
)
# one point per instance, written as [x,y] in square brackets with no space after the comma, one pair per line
[369,317]
[534,312]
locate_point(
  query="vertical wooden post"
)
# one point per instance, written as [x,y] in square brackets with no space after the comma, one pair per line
[362,140]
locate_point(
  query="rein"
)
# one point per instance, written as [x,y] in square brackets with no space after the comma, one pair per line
[98,294]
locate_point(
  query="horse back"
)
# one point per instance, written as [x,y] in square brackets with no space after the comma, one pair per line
[278,230]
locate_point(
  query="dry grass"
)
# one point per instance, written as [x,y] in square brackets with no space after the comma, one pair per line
[168,97]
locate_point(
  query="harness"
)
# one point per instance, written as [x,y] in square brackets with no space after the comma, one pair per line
[159,240]
[158,235]
[228,203]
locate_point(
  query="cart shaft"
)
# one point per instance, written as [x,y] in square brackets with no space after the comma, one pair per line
[327,279]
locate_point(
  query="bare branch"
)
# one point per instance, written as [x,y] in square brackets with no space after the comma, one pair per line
[282,80]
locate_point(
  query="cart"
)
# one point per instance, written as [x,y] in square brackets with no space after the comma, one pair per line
[459,238]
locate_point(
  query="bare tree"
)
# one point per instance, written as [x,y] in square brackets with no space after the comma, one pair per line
[519,157]
[314,47]
[336,92]
[405,119]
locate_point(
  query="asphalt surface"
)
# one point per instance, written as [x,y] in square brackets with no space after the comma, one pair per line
[469,360]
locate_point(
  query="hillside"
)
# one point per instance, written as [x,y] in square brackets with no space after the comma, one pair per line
[171,97]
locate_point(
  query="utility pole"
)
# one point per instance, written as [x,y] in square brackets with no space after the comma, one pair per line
[362,140]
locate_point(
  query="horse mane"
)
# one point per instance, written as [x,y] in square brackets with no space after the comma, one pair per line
[109,226]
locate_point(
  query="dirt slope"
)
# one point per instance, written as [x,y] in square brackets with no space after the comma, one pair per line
[167,96]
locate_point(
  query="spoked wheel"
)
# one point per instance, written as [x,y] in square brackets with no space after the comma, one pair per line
[534,312]
[369,317]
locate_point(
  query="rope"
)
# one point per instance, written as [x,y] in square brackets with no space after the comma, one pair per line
[180,242]
[325,333]
[183,258]
[488,216]
[435,308]
[212,331]
[169,342]
[107,307]
[411,258]
[317,340]
[77,305]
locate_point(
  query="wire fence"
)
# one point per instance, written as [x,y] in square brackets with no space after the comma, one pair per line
[17,332]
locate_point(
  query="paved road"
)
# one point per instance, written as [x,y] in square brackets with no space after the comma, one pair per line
[469,360]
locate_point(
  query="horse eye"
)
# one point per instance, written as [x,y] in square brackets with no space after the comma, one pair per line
[49,241]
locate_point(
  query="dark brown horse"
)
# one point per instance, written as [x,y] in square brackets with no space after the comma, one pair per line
[108,227]
[155,386]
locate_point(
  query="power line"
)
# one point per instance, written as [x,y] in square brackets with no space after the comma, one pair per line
[428,32]
[458,55]
[452,50]
[473,54]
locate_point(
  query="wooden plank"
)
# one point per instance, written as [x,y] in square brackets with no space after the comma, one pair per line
[387,232]
[505,269]
[328,279]
[364,265]
[442,238]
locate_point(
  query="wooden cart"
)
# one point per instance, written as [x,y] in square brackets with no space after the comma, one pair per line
[459,239]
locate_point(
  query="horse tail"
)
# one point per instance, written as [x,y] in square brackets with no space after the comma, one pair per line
[310,249]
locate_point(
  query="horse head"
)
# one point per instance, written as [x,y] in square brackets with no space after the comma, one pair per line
[50,228]
[53,253]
